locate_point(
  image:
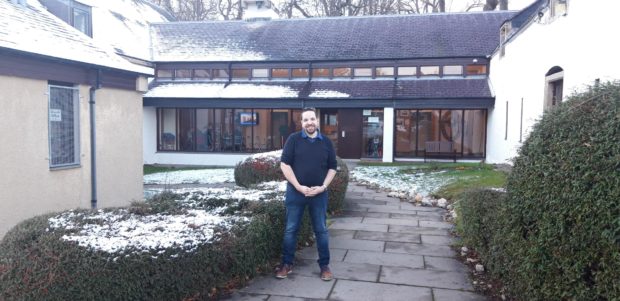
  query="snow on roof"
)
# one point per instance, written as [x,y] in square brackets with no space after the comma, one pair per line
[329,94]
[34,30]
[124,24]
[220,90]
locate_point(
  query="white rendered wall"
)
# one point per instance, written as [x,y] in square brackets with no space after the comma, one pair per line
[581,43]
[388,134]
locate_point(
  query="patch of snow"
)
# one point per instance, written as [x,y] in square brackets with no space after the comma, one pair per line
[328,94]
[219,90]
[198,176]
[395,178]
[114,232]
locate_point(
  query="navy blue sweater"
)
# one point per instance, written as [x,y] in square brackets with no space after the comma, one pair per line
[310,158]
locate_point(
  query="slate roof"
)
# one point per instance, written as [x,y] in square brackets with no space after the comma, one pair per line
[341,38]
[32,29]
[460,88]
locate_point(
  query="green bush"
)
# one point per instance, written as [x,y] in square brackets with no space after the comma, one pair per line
[37,264]
[558,232]
[477,219]
[266,167]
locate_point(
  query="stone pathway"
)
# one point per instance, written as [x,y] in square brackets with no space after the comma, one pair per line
[381,249]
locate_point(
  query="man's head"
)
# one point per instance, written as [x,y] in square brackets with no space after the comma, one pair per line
[309,123]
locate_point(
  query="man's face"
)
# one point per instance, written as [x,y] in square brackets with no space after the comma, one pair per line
[309,122]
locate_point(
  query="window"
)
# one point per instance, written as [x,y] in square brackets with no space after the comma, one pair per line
[164,73]
[476,69]
[372,133]
[362,72]
[406,71]
[452,70]
[300,72]
[82,19]
[429,70]
[202,74]
[241,73]
[260,73]
[384,71]
[64,126]
[182,74]
[279,73]
[342,72]
[554,87]
[320,72]
[220,73]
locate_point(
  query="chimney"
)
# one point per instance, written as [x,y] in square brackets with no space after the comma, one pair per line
[258,10]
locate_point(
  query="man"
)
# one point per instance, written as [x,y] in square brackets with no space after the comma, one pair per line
[309,164]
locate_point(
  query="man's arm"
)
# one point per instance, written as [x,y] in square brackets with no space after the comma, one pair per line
[328,179]
[287,170]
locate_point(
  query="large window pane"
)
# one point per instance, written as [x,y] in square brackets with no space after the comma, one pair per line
[320,72]
[407,71]
[384,71]
[300,72]
[260,73]
[281,128]
[429,70]
[406,133]
[63,126]
[428,128]
[220,74]
[204,130]
[164,73]
[372,133]
[453,70]
[262,130]
[167,131]
[362,72]
[474,133]
[279,73]
[187,130]
[476,69]
[245,121]
[241,73]
[342,72]
[182,74]
[202,74]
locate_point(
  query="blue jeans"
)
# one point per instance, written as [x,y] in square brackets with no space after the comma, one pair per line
[295,204]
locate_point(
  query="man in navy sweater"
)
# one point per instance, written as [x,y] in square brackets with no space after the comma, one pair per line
[309,164]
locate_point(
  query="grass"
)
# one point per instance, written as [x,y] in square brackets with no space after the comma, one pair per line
[470,178]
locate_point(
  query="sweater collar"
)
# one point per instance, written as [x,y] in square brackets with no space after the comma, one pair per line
[318,135]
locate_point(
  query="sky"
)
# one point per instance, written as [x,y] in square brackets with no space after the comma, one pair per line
[461,5]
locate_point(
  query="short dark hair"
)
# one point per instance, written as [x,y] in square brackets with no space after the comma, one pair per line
[306,109]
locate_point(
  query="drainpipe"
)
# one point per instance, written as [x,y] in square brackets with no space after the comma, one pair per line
[93,144]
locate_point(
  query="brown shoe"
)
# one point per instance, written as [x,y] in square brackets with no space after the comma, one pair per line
[326,274]
[283,270]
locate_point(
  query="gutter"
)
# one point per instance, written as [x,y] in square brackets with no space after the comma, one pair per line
[93,141]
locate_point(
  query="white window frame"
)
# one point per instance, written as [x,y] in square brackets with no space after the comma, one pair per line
[52,115]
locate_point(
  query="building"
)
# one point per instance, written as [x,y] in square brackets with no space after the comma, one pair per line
[71,120]
[553,48]
[386,87]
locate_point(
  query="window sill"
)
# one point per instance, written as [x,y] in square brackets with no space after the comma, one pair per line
[68,166]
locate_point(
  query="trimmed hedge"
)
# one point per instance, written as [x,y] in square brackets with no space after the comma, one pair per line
[557,235]
[36,264]
[266,167]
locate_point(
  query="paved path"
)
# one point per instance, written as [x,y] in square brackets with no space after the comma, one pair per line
[381,249]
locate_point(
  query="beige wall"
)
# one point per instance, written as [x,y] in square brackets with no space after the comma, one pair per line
[28,187]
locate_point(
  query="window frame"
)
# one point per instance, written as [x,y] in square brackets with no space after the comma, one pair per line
[76,126]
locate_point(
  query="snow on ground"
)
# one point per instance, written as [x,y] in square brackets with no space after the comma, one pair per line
[117,231]
[197,176]
[400,178]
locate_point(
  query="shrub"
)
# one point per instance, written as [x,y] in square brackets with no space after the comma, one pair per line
[37,264]
[559,235]
[266,167]
[478,212]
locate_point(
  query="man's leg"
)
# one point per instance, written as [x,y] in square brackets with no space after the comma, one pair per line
[318,215]
[294,214]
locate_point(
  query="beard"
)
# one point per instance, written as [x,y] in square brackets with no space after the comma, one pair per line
[311,129]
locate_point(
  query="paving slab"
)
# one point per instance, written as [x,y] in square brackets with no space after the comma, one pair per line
[312,254]
[386,259]
[432,213]
[387,236]
[423,277]
[282,298]
[293,286]
[418,230]
[391,221]
[341,270]
[438,240]
[239,296]
[436,218]
[418,249]
[360,200]
[451,295]
[411,207]
[371,207]
[357,244]
[345,219]
[340,233]
[442,264]
[367,291]
[383,197]
[355,226]
[431,224]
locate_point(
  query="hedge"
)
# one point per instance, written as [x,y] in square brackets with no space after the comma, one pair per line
[266,167]
[37,264]
[557,234]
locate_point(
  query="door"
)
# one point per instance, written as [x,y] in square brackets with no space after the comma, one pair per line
[349,133]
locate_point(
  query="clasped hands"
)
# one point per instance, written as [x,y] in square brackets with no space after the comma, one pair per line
[311,191]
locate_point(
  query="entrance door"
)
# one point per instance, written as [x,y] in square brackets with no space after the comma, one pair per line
[349,133]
